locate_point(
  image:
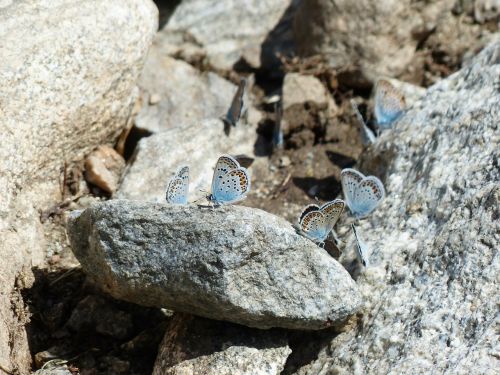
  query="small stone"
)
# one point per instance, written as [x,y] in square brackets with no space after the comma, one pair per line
[42,357]
[154,99]
[305,102]
[58,370]
[300,89]
[103,168]
[284,161]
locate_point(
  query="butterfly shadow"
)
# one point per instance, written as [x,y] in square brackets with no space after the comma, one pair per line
[341,161]
[327,188]
[166,8]
[263,145]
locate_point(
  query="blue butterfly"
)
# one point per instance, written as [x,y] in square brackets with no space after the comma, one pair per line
[177,189]
[389,104]
[230,182]
[234,112]
[362,194]
[278,131]
[367,135]
[361,247]
[317,222]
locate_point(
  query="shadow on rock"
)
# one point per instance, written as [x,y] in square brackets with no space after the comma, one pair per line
[208,347]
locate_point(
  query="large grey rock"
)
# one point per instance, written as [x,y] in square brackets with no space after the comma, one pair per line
[230,31]
[431,291]
[389,37]
[198,146]
[201,346]
[68,71]
[232,263]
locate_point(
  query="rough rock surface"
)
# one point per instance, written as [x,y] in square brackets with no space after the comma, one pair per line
[186,96]
[198,146]
[384,37]
[431,291]
[231,263]
[253,32]
[68,71]
[201,346]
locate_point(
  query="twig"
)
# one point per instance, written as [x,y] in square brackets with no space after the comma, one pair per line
[65,180]
[58,208]
[282,186]
[64,275]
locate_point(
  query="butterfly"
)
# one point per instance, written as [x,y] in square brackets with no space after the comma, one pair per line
[230,182]
[317,222]
[367,135]
[389,104]
[361,247]
[234,112]
[278,131]
[362,194]
[177,189]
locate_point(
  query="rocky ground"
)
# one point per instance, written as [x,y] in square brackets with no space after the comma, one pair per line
[103,101]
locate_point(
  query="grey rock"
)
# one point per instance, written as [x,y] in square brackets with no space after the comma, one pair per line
[198,146]
[232,263]
[432,288]
[382,36]
[230,32]
[58,370]
[201,346]
[68,71]
[187,96]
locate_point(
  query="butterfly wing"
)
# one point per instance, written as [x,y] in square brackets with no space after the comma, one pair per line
[389,104]
[177,191]
[350,179]
[332,211]
[277,131]
[313,226]
[310,208]
[234,112]
[369,193]
[233,187]
[225,164]
[361,248]
[183,174]
[367,135]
